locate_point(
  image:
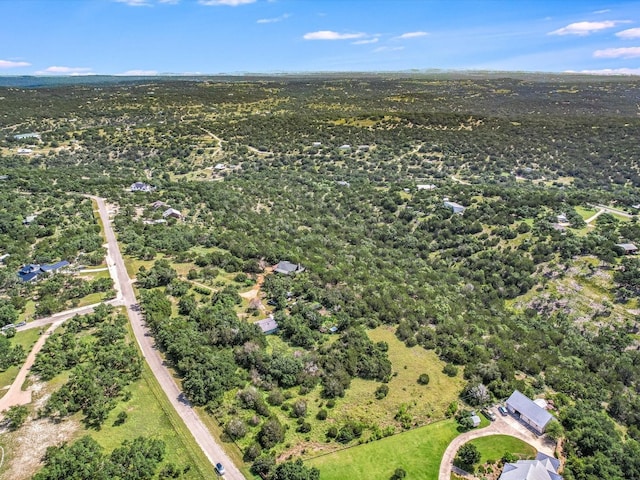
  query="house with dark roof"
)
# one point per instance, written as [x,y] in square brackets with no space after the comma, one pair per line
[268,325]
[543,467]
[30,272]
[528,412]
[287,268]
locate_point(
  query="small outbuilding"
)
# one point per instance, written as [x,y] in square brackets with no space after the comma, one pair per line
[475,419]
[528,412]
[429,186]
[287,268]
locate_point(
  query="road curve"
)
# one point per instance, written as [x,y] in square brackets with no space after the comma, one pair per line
[125,292]
[501,426]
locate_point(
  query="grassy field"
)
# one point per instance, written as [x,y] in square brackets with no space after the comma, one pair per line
[423,404]
[150,414]
[418,451]
[492,448]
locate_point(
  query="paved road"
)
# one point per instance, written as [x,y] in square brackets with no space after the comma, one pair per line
[501,426]
[615,211]
[67,314]
[125,292]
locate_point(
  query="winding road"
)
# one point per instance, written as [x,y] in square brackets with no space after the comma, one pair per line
[125,293]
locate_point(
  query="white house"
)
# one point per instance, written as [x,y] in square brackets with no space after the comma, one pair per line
[543,467]
[171,212]
[426,187]
[141,187]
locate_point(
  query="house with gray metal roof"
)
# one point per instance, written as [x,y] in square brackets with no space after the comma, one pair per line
[456,207]
[543,467]
[528,412]
[287,268]
[268,325]
[629,248]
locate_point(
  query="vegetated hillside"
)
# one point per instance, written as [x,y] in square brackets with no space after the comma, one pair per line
[257,169]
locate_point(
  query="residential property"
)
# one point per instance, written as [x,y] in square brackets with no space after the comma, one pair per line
[426,187]
[23,136]
[344,147]
[629,248]
[30,272]
[141,187]
[343,183]
[543,467]
[171,213]
[268,325]
[456,207]
[158,204]
[287,268]
[316,144]
[528,412]
[220,166]
[562,218]
[29,219]
[24,151]
[4,177]
[364,148]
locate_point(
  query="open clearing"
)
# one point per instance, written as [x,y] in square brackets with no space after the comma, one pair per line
[418,451]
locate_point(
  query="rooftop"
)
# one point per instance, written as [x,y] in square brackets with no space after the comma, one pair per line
[527,407]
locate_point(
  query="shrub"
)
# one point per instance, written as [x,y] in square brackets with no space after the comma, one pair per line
[322,414]
[423,379]
[382,391]
[450,370]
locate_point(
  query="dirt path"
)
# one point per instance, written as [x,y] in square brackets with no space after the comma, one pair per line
[15,395]
[255,290]
[502,426]
[594,216]
[212,450]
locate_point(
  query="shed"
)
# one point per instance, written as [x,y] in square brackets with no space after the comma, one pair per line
[528,412]
[476,421]
[287,268]
[268,325]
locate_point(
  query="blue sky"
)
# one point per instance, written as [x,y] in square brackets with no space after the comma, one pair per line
[72,37]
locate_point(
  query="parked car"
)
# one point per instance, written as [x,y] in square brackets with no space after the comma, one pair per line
[503,411]
[220,468]
[490,415]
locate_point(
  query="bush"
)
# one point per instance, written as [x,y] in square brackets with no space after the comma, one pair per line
[236,428]
[304,427]
[252,452]
[275,397]
[322,414]
[398,474]
[332,432]
[382,391]
[450,370]
[423,379]
[331,403]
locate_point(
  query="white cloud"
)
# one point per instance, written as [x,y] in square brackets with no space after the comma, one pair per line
[629,33]
[586,28]
[274,20]
[228,3]
[387,49]
[411,35]
[138,73]
[364,42]
[331,35]
[58,70]
[11,64]
[624,52]
[610,71]
[135,3]
[599,12]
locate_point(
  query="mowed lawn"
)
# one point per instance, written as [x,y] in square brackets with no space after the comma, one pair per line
[492,448]
[417,451]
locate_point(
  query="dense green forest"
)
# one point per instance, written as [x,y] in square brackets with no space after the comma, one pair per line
[527,289]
